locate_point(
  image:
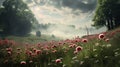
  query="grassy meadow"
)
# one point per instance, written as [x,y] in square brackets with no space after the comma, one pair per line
[99,50]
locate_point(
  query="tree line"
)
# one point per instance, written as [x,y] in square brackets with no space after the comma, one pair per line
[107,14]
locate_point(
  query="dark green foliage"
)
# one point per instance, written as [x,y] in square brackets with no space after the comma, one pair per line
[38,33]
[16,18]
[107,14]
[53,35]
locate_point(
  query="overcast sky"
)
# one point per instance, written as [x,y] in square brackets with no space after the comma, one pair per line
[75,12]
[68,12]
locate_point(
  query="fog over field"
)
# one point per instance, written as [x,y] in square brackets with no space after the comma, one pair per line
[62,14]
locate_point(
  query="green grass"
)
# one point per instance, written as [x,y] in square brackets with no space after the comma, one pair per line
[95,53]
[32,39]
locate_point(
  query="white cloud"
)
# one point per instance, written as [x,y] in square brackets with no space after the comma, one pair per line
[50,14]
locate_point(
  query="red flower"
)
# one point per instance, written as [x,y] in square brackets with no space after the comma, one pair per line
[101,36]
[22,62]
[58,60]
[78,48]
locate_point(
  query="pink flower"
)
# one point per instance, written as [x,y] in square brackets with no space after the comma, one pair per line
[34,50]
[75,52]
[72,45]
[38,52]
[28,52]
[46,47]
[9,49]
[18,53]
[76,41]
[9,53]
[59,43]
[101,36]
[78,48]
[58,60]
[54,51]
[54,46]
[30,61]
[33,55]
[22,62]
[84,40]
[107,39]
[6,61]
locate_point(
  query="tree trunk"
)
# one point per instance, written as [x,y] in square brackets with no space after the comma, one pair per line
[111,24]
[108,25]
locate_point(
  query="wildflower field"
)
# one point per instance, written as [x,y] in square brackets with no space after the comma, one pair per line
[100,50]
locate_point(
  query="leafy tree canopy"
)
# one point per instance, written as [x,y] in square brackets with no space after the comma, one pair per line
[107,14]
[16,18]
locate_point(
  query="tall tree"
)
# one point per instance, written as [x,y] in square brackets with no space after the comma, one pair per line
[107,14]
[16,17]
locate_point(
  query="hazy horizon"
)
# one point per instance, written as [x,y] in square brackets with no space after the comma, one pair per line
[63,13]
